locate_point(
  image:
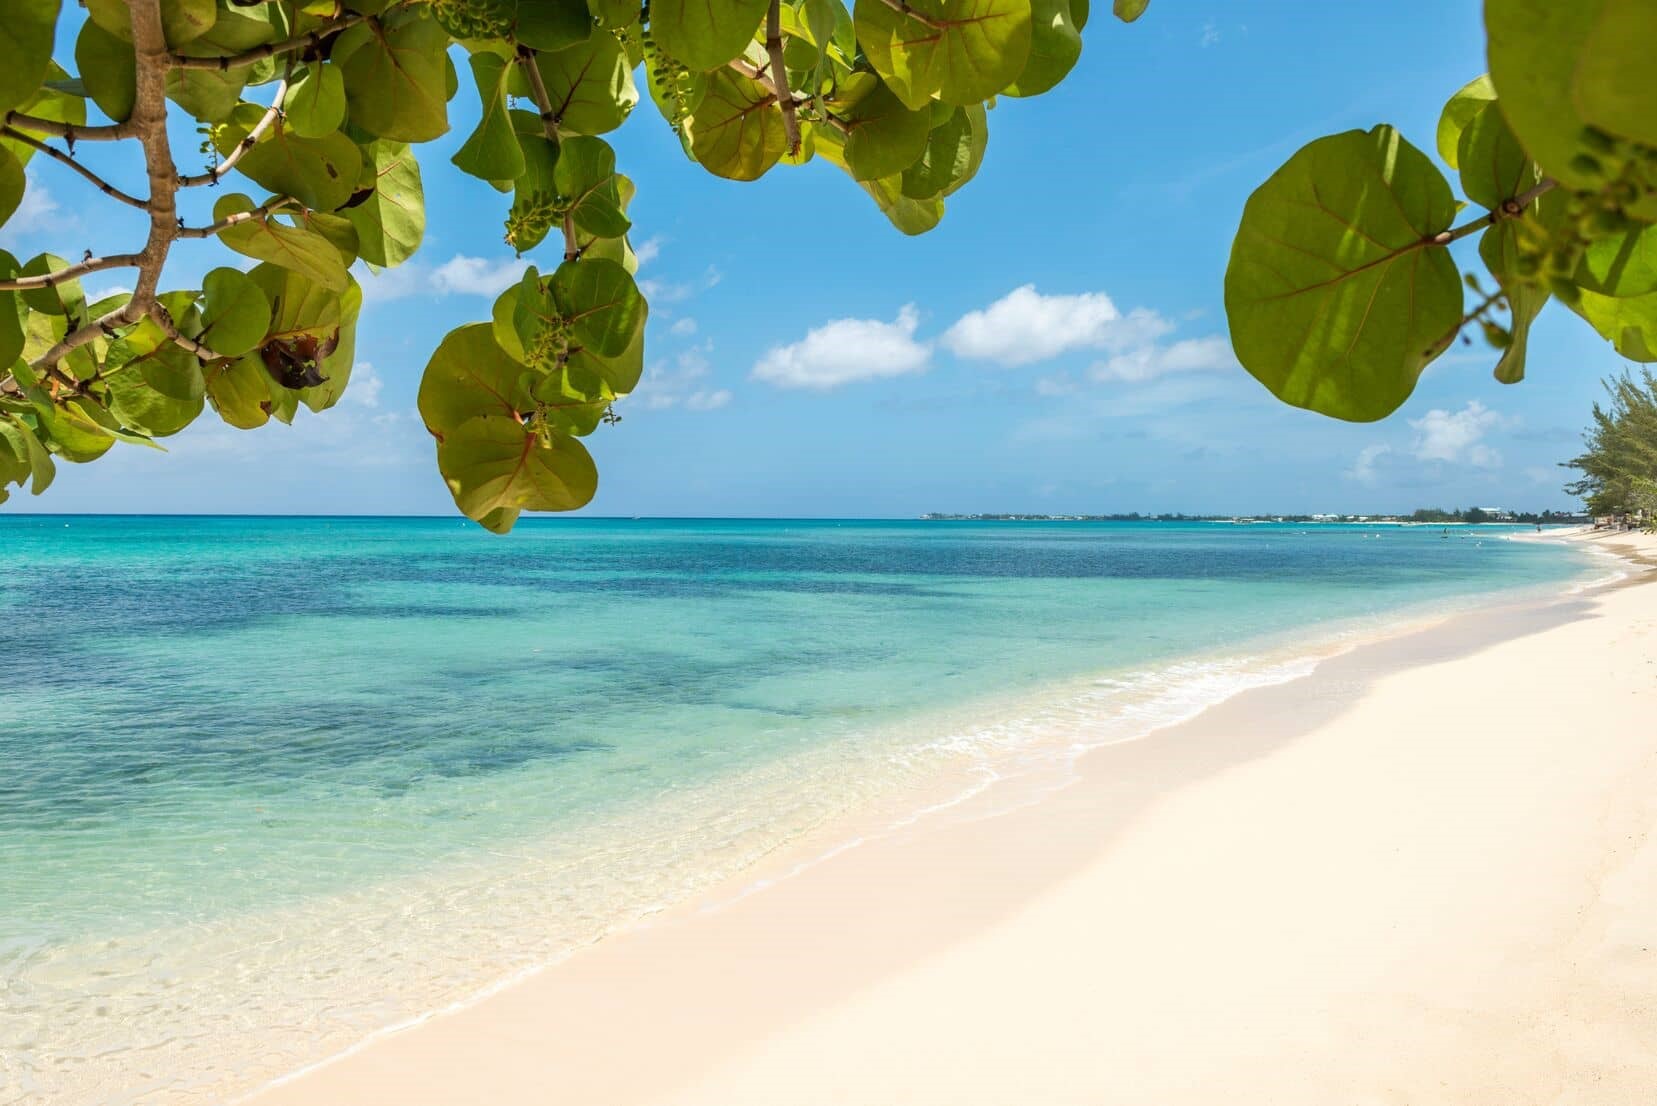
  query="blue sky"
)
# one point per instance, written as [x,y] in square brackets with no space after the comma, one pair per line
[1056,344]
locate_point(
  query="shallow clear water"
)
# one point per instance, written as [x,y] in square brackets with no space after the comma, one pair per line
[269,784]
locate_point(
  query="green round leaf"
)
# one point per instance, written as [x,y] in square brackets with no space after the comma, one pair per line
[390,214]
[1629,323]
[468,376]
[493,463]
[240,392]
[316,103]
[320,173]
[237,314]
[1560,68]
[26,446]
[108,70]
[544,25]
[737,131]
[1494,167]
[26,31]
[884,137]
[159,394]
[182,21]
[1499,249]
[1055,48]
[960,51]
[1459,112]
[12,185]
[590,85]
[1622,265]
[1336,298]
[600,302]
[267,238]
[705,34]
[492,152]
[396,79]
[64,298]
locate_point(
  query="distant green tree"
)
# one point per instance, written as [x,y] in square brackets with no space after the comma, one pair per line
[1619,463]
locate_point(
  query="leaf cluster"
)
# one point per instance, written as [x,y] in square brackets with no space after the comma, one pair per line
[1344,284]
[311,113]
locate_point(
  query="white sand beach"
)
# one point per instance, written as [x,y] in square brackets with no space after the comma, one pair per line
[1426,873]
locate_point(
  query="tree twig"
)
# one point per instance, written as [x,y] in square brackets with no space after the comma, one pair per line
[1445,342]
[779,78]
[922,18]
[164,320]
[270,205]
[549,124]
[70,272]
[311,39]
[79,337]
[1507,209]
[58,155]
[213,175]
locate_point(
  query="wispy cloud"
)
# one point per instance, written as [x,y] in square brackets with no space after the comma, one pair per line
[461,275]
[1457,435]
[680,382]
[1364,469]
[847,350]
[1149,361]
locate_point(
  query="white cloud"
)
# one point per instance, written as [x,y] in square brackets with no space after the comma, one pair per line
[1210,34]
[365,386]
[847,350]
[1455,436]
[1147,362]
[1025,326]
[1363,469]
[476,276]
[683,328]
[648,250]
[37,213]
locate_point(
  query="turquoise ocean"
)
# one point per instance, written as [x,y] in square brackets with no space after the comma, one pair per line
[268,786]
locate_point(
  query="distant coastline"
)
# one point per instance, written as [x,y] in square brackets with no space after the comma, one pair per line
[1424,517]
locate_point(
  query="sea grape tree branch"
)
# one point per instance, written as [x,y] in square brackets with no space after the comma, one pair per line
[213,175]
[310,42]
[275,203]
[779,77]
[78,269]
[1508,209]
[74,132]
[58,155]
[549,123]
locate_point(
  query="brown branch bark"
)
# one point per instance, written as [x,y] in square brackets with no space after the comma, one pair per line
[74,132]
[310,39]
[779,78]
[58,155]
[164,320]
[1508,209]
[549,124]
[213,175]
[70,272]
[270,205]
